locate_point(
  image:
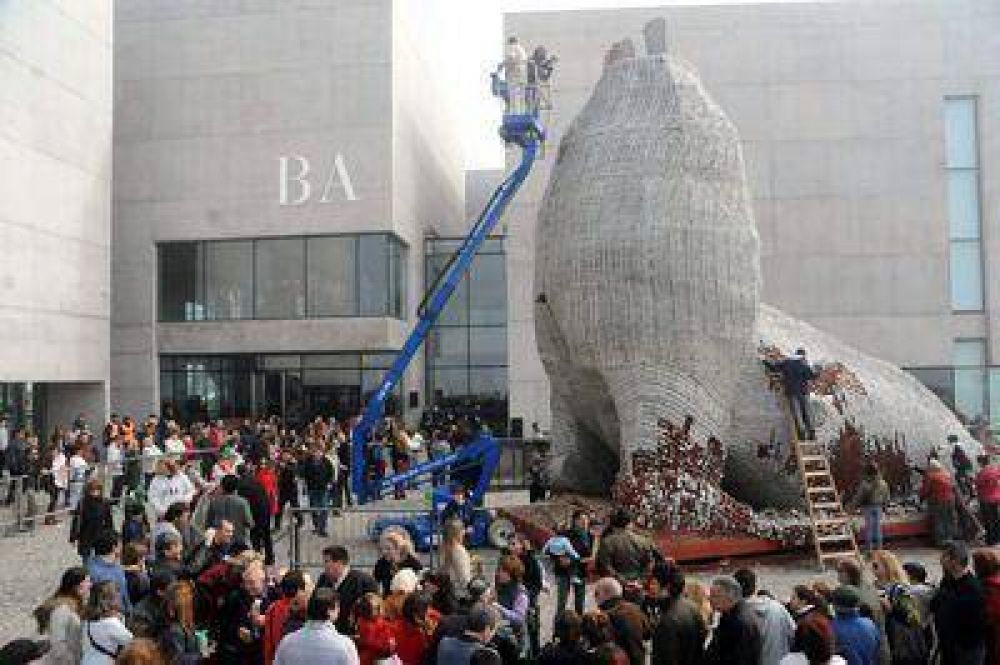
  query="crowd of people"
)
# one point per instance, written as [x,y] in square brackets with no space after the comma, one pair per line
[187,573]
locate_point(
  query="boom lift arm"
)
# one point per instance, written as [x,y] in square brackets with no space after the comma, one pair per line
[524,131]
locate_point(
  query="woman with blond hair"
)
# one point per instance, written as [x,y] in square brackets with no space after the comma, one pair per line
[696,592]
[455,559]
[903,625]
[397,553]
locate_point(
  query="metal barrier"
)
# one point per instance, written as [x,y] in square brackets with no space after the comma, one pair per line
[356,528]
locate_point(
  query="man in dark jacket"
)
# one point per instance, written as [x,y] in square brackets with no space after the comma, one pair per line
[959,609]
[680,631]
[622,553]
[349,584]
[260,508]
[317,472]
[630,624]
[795,377]
[232,508]
[737,639]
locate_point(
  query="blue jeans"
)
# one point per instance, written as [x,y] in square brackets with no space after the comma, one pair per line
[873,527]
[317,501]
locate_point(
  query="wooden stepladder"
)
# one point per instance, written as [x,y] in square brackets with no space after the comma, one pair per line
[832,531]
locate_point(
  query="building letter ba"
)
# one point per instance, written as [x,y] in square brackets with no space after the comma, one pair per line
[294,187]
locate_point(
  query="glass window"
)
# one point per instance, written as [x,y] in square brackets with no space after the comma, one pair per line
[229,279]
[966,276]
[968,353]
[488,383]
[281,362]
[373,273]
[456,311]
[939,380]
[963,204]
[970,392]
[332,279]
[488,290]
[181,278]
[488,346]
[332,360]
[449,384]
[280,270]
[397,278]
[995,398]
[448,346]
[960,132]
[331,377]
[378,360]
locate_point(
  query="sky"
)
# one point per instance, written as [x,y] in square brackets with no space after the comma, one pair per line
[480,42]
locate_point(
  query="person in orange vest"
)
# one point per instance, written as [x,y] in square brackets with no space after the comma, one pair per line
[938,490]
[988,493]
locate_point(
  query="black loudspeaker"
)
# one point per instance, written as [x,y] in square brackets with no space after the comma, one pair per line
[414,399]
[517,428]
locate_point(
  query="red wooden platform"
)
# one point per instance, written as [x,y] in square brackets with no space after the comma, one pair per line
[695,547]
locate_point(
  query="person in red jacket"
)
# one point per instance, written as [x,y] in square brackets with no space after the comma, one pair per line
[277,614]
[374,632]
[988,493]
[268,479]
[414,629]
[938,490]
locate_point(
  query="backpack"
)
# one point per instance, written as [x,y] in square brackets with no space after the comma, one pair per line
[903,629]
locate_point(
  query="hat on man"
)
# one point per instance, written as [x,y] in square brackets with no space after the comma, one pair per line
[22,652]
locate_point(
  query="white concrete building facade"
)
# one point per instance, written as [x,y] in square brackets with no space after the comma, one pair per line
[869,131]
[277,166]
[55,210]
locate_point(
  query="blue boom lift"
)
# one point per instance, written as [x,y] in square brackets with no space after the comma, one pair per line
[524,130]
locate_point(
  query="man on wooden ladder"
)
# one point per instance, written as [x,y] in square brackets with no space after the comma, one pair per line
[795,377]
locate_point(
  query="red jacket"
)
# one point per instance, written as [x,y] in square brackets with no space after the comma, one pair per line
[269,481]
[938,487]
[374,640]
[274,627]
[988,484]
[412,642]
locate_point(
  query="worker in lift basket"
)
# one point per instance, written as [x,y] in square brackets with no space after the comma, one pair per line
[515,69]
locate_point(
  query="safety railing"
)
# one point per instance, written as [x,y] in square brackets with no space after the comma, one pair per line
[22,495]
[358,528]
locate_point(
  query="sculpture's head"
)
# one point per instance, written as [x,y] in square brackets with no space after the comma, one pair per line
[647,249]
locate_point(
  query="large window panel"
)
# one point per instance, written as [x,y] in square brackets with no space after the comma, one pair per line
[488,346]
[968,352]
[488,382]
[488,290]
[966,276]
[280,271]
[181,277]
[456,312]
[960,133]
[970,392]
[229,279]
[963,204]
[332,279]
[373,275]
[995,398]
[450,385]
[397,278]
[448,347]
